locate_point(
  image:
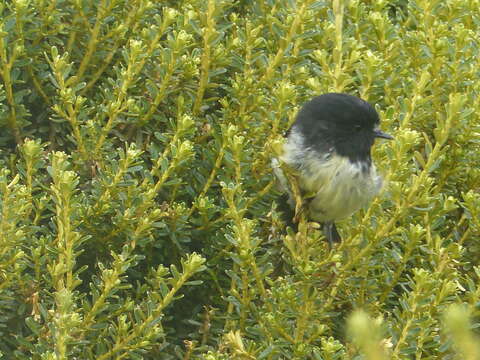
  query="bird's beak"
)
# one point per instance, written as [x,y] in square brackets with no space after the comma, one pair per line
[380,134]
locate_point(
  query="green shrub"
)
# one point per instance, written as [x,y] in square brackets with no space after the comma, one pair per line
[138,207]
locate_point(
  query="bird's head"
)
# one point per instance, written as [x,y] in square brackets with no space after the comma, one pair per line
[343,122]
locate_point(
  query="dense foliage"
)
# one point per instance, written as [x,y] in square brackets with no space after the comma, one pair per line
[139,216]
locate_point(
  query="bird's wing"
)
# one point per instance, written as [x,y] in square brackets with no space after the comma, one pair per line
[282,179]
[287,181]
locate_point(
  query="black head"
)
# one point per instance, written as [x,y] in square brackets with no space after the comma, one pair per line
[340,121]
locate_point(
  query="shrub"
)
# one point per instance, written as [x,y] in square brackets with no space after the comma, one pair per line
[138,209]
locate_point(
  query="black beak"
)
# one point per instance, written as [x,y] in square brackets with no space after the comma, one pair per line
[381,134]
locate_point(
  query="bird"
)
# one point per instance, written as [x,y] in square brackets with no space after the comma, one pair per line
[328,150]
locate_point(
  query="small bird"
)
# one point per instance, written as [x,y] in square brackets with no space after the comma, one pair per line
[328,148]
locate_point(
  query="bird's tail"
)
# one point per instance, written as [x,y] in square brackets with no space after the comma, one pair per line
[288,213]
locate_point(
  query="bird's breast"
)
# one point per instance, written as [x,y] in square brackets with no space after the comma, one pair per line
[339,186]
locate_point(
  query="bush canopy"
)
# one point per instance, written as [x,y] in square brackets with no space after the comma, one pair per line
[139,217]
